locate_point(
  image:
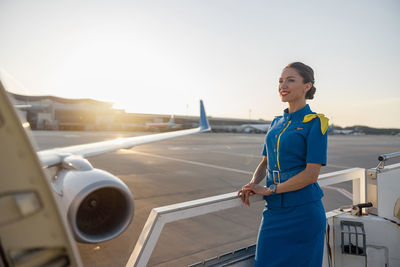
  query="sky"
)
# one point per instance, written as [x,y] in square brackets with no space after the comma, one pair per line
[163,56]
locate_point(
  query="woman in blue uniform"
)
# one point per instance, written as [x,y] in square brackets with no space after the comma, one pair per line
[292,230]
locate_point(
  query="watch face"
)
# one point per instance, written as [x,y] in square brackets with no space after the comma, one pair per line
[272,188]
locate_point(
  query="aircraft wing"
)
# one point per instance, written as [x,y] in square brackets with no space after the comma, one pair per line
[96,205]
[55,156]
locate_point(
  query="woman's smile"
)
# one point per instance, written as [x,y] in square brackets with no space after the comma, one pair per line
[284,92]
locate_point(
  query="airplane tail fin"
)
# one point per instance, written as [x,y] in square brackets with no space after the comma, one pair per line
[204,124]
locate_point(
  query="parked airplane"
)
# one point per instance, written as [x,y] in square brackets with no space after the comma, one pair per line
[159,126]
[345,132]
[254,128]
[331,130]
[97,205]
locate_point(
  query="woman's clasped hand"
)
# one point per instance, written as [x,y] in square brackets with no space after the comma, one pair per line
[250,189]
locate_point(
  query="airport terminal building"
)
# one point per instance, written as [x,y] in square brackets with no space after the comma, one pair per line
[56,113]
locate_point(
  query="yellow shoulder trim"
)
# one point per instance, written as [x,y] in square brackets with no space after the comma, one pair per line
[324,121]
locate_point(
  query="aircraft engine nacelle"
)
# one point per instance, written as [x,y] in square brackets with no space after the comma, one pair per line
[98,206]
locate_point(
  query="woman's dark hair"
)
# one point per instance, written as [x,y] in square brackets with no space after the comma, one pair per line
[308,76]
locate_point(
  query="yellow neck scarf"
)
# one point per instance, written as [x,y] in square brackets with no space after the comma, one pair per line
[324,121]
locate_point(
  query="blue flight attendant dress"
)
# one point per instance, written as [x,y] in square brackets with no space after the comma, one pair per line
[292,229]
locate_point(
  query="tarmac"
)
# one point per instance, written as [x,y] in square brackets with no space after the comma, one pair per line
[199,166]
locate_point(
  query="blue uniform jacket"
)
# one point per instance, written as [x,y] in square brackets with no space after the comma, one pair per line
[292,141]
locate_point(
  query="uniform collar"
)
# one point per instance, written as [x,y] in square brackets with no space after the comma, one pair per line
[298,115]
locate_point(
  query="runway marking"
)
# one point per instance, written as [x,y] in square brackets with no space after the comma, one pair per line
[192,162]
[338,166]
[340,190]
[71,135]
[260,156]
[239,154]
[177,148]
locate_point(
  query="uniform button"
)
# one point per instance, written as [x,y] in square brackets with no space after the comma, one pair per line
[275,166]
[276,136]
[274,150]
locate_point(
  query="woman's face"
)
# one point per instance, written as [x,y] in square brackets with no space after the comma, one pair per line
[291,86]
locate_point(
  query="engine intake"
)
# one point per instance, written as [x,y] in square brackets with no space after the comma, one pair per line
[98,212]
[98,206]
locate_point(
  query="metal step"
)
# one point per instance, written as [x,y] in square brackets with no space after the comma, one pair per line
[239,258]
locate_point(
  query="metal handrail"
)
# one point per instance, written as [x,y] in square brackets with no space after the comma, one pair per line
[160,216]
[385,157]
[382,158]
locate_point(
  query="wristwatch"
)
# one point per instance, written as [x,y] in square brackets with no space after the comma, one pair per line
[272,188]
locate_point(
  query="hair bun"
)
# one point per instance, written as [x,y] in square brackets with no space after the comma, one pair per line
[310,93]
